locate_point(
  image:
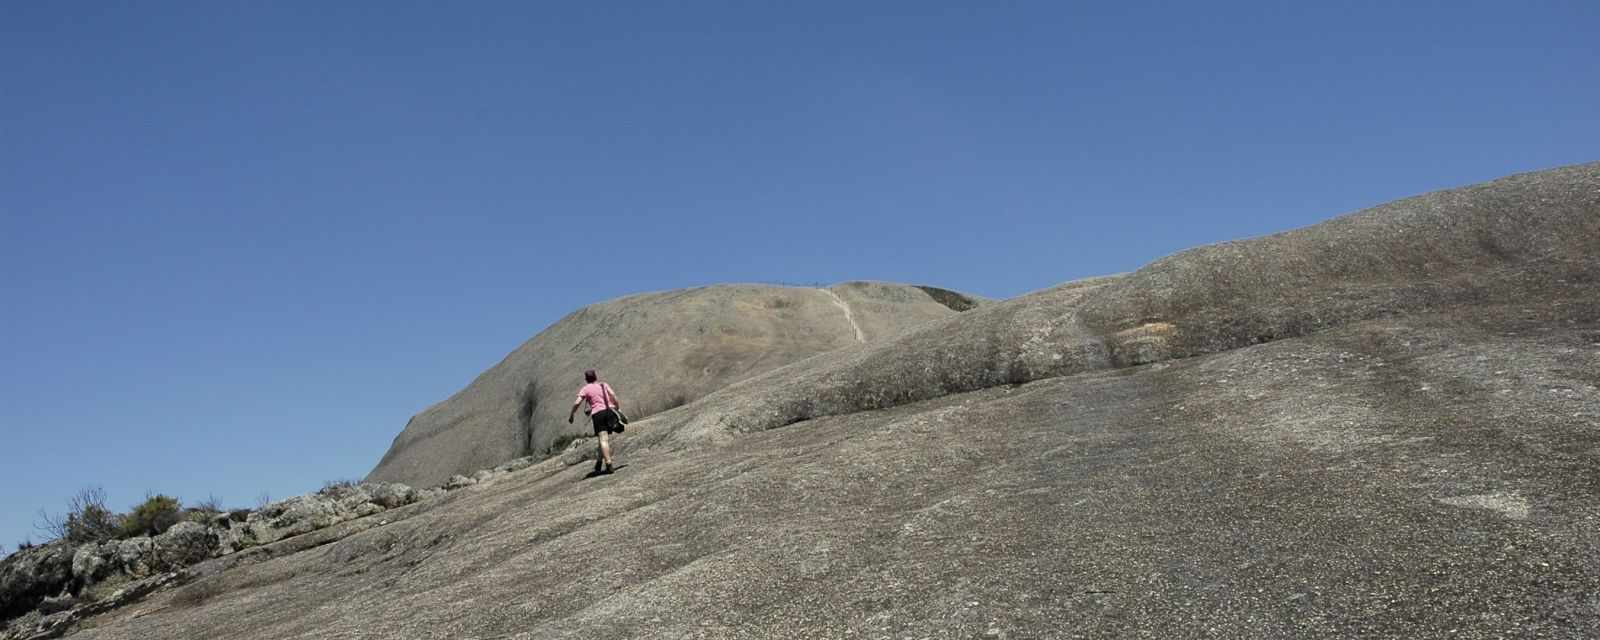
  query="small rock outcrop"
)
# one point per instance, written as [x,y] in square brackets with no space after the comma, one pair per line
[307,513]
[41,587]
[47,578]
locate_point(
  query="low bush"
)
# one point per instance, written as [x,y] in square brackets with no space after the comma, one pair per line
[954,301]
[677,400]
[337,489]
[206,511]
[87,519]
[561,443]
[152,517]
[212,504]
[104,589]
[93,524]
[666,404]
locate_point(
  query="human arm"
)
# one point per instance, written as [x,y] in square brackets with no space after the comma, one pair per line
[574,410]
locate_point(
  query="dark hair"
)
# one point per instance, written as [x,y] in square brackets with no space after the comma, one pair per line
[589,376]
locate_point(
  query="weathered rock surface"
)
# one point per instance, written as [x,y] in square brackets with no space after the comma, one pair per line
[94,562]
[659,350]
[186,543]
[392,495]
[58,616]
[1384,426]
[28,577]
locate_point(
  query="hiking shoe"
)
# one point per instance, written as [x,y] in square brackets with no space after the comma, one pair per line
[608,468]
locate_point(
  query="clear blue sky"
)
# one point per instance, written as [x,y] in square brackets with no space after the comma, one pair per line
[243,242]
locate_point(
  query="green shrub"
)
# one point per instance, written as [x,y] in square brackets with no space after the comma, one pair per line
[152,517]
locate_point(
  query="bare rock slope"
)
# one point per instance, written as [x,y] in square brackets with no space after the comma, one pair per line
[659,350]
[1386,425]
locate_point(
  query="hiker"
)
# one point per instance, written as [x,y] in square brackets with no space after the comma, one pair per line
[603,408]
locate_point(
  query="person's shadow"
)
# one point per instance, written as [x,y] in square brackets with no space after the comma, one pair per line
[596,474]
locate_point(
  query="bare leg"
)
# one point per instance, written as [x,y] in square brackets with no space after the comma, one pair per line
[605,447]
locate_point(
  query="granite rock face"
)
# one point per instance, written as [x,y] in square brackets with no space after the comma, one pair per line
[186,543]
[95,562]
[28,577]
[1387,425]
[659,350]
[1530,237]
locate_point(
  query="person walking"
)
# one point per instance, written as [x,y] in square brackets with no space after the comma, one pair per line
[603,408]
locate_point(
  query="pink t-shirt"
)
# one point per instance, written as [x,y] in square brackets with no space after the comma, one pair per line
[595,396]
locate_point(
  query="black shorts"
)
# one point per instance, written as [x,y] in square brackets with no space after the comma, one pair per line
[604,420]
